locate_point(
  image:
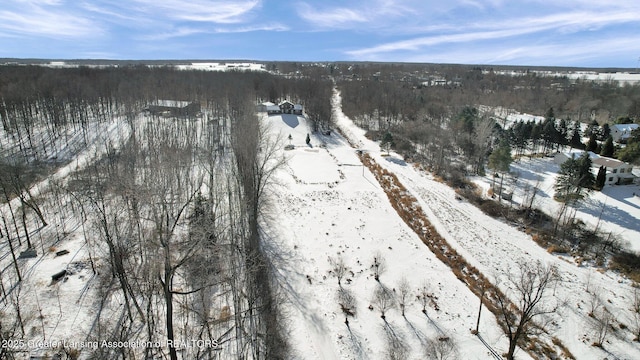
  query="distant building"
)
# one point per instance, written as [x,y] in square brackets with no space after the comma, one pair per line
[617,172]
[285,107]
[174,108]
[621,132]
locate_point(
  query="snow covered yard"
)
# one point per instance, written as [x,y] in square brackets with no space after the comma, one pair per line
[615,209]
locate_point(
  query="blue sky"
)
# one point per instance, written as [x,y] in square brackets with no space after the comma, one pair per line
[516,32]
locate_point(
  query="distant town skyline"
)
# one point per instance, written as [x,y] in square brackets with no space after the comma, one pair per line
[581,33]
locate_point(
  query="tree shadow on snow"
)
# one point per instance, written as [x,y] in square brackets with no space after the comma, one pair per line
[610,213]
[395,160]
[291,120]
[356,344]
[419,334]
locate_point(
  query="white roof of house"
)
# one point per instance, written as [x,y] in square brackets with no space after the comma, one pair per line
[273,107]
[576,153]
[268,103]
[297,107]
[625,127]
[608,162]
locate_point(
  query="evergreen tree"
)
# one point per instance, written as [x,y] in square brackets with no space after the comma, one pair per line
[592,144]
[601,177]
[607,148]
[500,160]
[605,131]
[574,177]
[576,141]
[563,132]
[631,152]
[387,141]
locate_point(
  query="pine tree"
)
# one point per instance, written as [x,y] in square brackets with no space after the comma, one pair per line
[592,144]
[607,148]
[387,142]
[576,141]
[500,160]
[601,177]
[574,177]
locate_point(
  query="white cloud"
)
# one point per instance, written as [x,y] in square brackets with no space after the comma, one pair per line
[50,22]
[562,23]
[216,11]
[331,18]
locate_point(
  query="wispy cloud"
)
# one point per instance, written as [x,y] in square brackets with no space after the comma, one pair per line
[216,11]
[561,23]
[46,21]
[330,18]
[373,13]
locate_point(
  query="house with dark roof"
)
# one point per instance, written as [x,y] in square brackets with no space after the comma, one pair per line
[287,107]
[173,108]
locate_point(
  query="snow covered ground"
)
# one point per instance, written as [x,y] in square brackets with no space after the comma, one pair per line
[327,206]
[615,209]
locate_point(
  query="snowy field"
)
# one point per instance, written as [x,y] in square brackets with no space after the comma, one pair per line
[326,206]
[352,219]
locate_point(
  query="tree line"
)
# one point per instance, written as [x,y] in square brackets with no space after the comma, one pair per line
[170,214]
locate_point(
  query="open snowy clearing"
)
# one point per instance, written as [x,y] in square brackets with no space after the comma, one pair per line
[314,219]
[352,219]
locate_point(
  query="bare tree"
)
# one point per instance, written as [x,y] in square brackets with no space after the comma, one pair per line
[379,265]
[424,295]
[339,268]
[347,303]
[384,300]
[595,302]
[528,285]
[404,289]
[601,326]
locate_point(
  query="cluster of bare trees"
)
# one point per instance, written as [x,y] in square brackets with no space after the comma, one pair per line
[170,217]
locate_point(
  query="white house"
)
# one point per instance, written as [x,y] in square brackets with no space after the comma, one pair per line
[621,132]
[618,172]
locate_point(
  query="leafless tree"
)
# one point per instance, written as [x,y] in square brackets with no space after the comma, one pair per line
[424,295]
[601,325]
[594,301]
[339,268]
[528,285]
[379,265]
[347,303]
[403,291]
[384,300]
